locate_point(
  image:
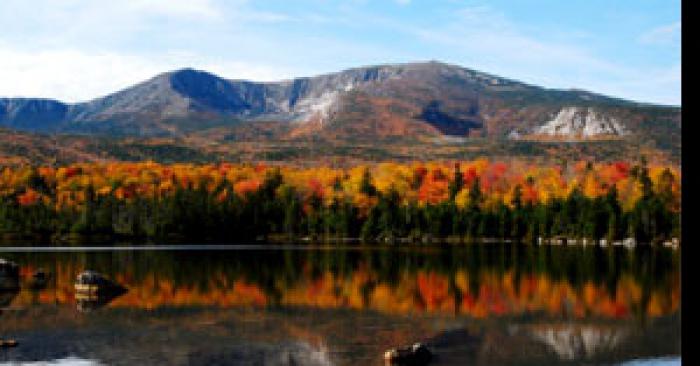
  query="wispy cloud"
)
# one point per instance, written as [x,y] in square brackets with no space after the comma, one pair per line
[483,38]
[73,75]
[179,8]
[78,49]
[669,34]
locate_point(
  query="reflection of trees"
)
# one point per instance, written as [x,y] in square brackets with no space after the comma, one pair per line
[89,302]
[6,297]
[478,280]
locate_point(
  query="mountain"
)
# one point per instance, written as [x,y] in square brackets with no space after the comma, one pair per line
[31,114]
[415,101]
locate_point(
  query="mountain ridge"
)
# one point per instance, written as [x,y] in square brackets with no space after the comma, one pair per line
[390,65]
[417,100]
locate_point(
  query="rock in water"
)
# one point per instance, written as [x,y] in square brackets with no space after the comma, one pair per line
[421,353]
[93,291]
[9,275]
[8,268]
[94,283]
[415,355]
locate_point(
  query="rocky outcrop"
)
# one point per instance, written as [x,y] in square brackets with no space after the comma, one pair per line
[579,122]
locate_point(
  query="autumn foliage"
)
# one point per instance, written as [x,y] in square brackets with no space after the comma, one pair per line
[463,199]
[484,292]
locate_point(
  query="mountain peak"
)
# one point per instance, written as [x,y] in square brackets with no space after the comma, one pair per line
[430,97]
[189,71]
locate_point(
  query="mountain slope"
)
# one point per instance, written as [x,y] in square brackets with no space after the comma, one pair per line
[415,101]
[31,114]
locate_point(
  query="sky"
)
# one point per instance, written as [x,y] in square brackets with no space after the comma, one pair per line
[76,50]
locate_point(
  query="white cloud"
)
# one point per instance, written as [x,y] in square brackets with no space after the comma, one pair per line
[481,38]
[72,75]
[669,34]
[79,49]
[186,8]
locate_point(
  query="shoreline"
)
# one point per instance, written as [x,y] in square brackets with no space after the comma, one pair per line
[75,242]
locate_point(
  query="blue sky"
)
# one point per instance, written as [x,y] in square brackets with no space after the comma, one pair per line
[75,50]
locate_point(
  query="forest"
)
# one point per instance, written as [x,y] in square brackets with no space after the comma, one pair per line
[456,201]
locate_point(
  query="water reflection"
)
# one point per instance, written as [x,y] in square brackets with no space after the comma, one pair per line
[487,304]
[86,303]
[479,281]
[6,297]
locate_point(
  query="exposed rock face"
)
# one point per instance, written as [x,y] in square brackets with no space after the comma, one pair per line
[577,122]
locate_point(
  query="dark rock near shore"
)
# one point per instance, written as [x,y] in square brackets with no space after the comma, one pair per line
[95,280]
[93,291]
[9,275]
[8,268]
[415,355]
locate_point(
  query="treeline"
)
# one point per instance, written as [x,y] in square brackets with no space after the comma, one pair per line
[198,211]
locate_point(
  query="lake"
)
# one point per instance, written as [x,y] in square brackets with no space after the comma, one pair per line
[487,304]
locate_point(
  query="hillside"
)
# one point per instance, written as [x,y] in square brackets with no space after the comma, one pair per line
[417,103]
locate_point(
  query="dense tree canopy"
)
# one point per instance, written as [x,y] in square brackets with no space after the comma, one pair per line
[465,200]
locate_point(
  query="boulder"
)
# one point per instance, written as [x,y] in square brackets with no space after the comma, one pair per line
[94,283]
[415,355]
[93,291]
[9,275]
[8,268]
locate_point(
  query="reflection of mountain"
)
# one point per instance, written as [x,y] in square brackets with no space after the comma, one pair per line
[571,341]
[528,342]
[285,354]
[173,337]
[197,336]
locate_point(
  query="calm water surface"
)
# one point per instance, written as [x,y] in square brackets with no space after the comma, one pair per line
[272,305]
